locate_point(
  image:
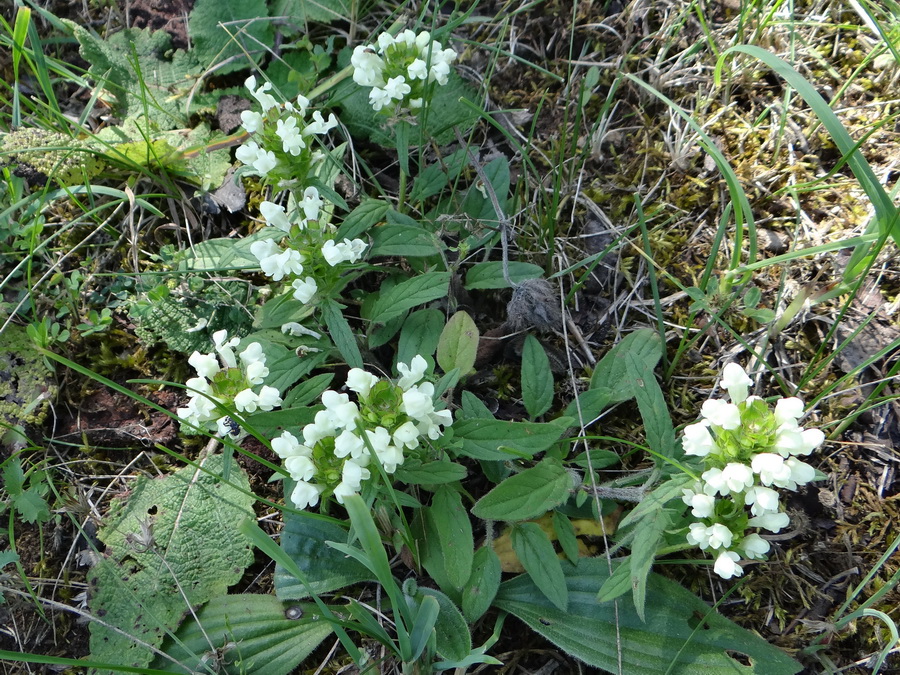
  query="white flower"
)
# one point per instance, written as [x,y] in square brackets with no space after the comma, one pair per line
[302,104]
[417,401]
[268,398]
[412,373]
[256,372]
[762,500]
[275,262]
[351,479]
[360,381]
[286,445]
[801,473]
[702,505]
[378,98]
[379,439]
[311,203]
[224,347]
[726,565]
[788,411]
[385,40]
[406,435]
[698,536]
[713,483]
[320,428]
[306,494]
[431,425]
[754,547]
[417,70]
[367,66]
[265,100]
[251,121]
[348,443]
[261,160]
[275,216]
[722,414]
[199,385]
[246,401]
[770,468]
[333,254]
[737,476]
[300,467]
[391,458]
[697,439]
[774,522]
[264,248]
[297,329]
[719,536]
[736,381]
[319,125]
[291,139]
[304,290]
[252,354]
[206,365]
[397,88]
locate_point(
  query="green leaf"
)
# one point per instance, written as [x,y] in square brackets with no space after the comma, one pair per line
[361,219]
[403,240]
[565,534]
[454,534]
[480,589]
[647,537]
[477,202]
[304,11]
[251,632]
[537,380]
[458,344]
[430,554]
[14,477]
[247,30]
[308,391]
[452,637]
[341,334]
[408,294]
[31,506]
[490,274]
[535,552]
[499,439]
[7,558]
[188,519]
[528,494]
[611,374]
[600,459]
[652,404]
[423,625]
[619,583]
[435,177]
[430,473]
[420,334]
[671,641]
[326,569]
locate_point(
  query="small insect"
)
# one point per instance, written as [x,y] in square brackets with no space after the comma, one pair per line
[233,427]
[545,622]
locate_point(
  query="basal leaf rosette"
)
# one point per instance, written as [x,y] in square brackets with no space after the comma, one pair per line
[387,421]
[400,70]
[227,383]
[748,450]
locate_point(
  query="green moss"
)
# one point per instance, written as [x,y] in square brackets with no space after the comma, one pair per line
[42,155]
[26,383]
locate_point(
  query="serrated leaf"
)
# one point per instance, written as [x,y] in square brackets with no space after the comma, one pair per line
[303,11]
[454,533]
[250,632]
[189,519]
[526,495]
[403,240]
[500,439]
[420,334]
[340,333]
[535,552]
[32,508]
[452,637]
[14,477]
[537,379]
[480,589]
[408,294]
[326,569]
[458,344]
[490,274]
[666,643]
[7,558]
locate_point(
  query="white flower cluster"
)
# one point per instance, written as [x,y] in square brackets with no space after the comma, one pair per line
[300,230]
[280,131]
[334,456]
[399,69]
[223,385]
[747,450]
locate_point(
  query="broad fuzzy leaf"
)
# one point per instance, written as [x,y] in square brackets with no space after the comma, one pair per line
[671,641]
[537,380]
[454,533]
[490,274]
[537,556]
[458,344]
[408,294]
[498,439]
[526,495]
